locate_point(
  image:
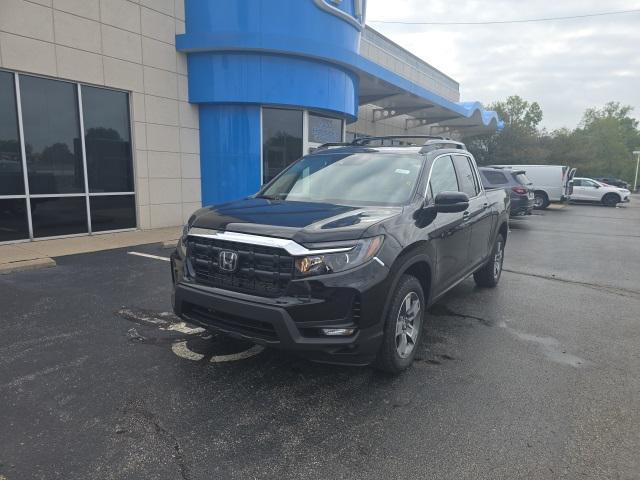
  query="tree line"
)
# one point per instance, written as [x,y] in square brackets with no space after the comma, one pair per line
[601,145]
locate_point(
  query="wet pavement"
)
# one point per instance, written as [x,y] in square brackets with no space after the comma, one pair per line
[539,378]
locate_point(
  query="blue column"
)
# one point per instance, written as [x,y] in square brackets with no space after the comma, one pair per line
[243,54]
[229,151]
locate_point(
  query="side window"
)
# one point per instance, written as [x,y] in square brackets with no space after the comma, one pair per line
[495,178]
[443,176]
[589,183]
[466,177]
[577,183]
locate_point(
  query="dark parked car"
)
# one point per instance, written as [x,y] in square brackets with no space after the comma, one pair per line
[516,183]
[614,182]
[340,255]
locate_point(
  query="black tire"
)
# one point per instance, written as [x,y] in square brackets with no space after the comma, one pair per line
[489,275]
[541,200]
[611,200]
[389,358]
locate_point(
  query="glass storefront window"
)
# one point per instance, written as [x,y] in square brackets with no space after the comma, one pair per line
[324,129]
[13,219]
[52,136]
[11,178]
[281,140]
[56,216]
[62,198]
[112,212]
[107,140]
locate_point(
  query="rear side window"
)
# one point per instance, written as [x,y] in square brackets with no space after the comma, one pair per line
[522,179]
[494,178]
[443,176]
[466,177]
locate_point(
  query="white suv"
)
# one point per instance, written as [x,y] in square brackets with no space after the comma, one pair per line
[590,190]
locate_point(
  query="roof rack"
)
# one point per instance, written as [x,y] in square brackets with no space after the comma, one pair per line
[431,145]
[327,145]
[362,141]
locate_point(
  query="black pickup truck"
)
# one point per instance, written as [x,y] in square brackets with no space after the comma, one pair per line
[339,256]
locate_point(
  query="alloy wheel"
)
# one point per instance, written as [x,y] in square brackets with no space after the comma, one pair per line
[497,260]
[408,324]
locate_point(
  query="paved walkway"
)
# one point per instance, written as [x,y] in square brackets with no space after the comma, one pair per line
[40,254]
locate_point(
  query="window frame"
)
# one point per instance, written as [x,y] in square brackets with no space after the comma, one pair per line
[429,190]
[478,188]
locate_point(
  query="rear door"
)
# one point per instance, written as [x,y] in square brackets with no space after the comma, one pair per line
[479,214]
[451,231]
[569,178]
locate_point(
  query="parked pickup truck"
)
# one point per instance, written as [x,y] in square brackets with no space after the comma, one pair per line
[339,256]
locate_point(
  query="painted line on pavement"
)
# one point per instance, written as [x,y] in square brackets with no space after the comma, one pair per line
[147,255]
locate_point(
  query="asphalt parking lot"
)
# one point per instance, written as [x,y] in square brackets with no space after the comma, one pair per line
[539,378]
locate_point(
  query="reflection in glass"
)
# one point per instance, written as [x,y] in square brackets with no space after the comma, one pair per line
[13,219]
[11,179]
[107,140]
[52,136]
[113,212]
[281,140]
[59,216]
[324,129]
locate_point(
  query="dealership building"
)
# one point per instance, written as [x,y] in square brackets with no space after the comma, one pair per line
[125,114]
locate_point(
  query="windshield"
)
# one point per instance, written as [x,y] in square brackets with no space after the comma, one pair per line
[349,179]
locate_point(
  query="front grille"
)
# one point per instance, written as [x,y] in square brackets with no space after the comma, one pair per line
[229,322]
[264,271]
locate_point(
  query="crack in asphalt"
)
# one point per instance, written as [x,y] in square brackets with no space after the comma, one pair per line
[623,292]
[444,311]
[172,440]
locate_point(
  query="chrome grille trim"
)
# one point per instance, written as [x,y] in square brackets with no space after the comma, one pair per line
[291,247]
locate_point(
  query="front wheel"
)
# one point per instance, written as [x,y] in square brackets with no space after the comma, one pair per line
[402,327]
[489,274]
[610,200]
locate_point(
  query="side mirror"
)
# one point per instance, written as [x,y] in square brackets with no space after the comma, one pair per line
[451,202]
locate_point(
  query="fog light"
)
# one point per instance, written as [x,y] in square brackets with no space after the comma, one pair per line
[337,332]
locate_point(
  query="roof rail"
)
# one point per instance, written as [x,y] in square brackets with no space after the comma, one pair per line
[327,145]
[431,145]
[367,140]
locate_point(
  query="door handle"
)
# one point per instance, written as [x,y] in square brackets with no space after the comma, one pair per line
[485,205]
[466,214]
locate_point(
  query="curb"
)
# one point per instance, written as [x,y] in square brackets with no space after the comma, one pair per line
[24,265]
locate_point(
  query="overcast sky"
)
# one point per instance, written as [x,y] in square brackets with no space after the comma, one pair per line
[566,66]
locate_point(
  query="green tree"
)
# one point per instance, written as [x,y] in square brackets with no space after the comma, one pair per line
[519,141]
[601,145]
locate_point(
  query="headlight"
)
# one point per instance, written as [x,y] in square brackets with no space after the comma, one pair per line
[320,264]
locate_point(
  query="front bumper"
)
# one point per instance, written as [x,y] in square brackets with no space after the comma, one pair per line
[352,299]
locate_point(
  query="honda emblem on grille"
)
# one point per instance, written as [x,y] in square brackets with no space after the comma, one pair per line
[228,261]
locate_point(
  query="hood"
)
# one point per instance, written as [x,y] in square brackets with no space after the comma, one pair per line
[302,222]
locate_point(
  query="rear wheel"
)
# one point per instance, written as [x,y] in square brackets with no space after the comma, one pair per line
[489,275]
[403,326]
[540,200]
[610,200]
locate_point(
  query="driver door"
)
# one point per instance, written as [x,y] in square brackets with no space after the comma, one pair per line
[451,232]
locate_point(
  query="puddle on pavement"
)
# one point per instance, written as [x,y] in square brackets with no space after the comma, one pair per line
[551,347]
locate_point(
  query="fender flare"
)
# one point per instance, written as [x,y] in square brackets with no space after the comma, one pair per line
[399,267]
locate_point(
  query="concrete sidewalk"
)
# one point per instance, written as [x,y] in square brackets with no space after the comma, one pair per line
[40,254]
